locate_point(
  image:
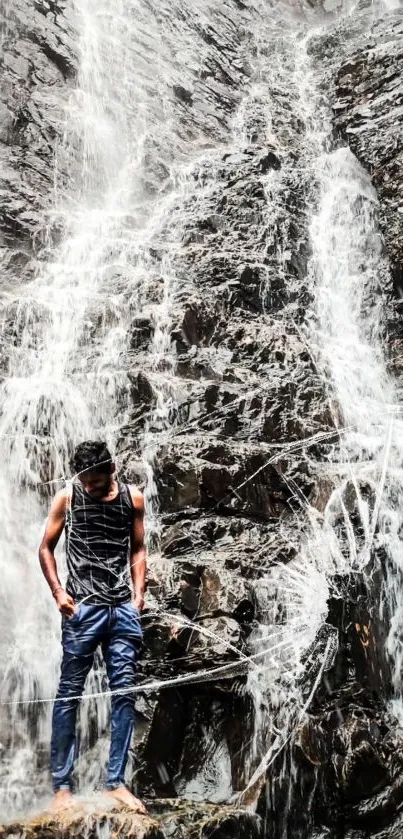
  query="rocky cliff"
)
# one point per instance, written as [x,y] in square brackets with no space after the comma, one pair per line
[38,66]
[246,426]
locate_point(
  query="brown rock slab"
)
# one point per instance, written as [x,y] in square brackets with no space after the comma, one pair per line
[85,818]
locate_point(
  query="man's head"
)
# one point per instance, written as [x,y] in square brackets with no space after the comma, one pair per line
[93,465]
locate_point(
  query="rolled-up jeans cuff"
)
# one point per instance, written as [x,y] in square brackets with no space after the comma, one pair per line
[62,786]
[115,785]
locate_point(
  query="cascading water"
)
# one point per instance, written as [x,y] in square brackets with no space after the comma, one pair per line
[67,372]
[139,173]
[346,272]
[64,382]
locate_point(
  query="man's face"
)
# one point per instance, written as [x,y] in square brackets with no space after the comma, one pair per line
[96,483]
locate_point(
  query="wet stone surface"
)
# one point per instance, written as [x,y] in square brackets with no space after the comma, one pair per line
[38,65]
[167,819]
[363,63]
[251,424]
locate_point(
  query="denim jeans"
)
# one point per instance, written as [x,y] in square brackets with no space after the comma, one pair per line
[117,629]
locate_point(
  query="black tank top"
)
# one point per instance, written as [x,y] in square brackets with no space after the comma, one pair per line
[97,547]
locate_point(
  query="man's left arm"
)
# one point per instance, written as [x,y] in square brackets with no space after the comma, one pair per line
[138,561]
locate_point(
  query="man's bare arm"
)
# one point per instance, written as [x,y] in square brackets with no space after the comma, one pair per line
[138,562]
[53,531]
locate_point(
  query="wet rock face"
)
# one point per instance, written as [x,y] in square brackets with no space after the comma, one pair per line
[245,386]
[240,456]
[353,746]
[366,113]
[167,820]
[363,64]
[37,63]
[242,372]
[349,750]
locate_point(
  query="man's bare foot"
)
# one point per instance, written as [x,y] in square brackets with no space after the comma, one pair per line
[62,800]
[125,797]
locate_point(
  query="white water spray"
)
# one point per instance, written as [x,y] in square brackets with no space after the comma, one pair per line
[67,373]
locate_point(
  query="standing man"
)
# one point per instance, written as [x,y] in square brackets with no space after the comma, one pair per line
[104,521]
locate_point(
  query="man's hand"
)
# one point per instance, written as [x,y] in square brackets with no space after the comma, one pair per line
[65,603]
[139,602]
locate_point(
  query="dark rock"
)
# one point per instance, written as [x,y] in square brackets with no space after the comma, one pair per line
[141,333]
[202,821]
[270,161]
[346,738]
[142,393]
[183,94]
[238,825]
[37,59]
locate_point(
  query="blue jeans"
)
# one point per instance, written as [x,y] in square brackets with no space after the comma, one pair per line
[117,629]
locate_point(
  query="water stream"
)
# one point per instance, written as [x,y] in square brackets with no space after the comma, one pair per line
[139,173]
[347,272]
[134,181]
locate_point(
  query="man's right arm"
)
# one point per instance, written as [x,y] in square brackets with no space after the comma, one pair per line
[53,531]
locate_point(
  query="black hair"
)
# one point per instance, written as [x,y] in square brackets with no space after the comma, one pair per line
[91,455]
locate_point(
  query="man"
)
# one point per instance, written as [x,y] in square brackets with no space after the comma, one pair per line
[104,521]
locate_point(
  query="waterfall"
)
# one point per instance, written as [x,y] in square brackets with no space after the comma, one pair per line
[66,380]
[113,268]
[344,332]
[135,173]
[348,271]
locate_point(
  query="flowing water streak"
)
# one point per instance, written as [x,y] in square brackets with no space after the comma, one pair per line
[292,599]
[347,270]
[67,375]
[348,273]
[279,654]
[62,384]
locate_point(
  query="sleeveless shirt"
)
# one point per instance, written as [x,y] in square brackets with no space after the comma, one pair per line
[97,547]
